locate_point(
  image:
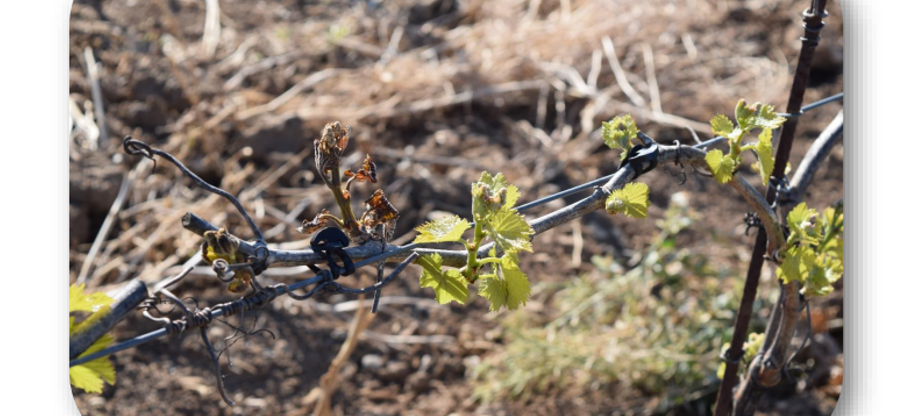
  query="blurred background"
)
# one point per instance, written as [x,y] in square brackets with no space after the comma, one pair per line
[626,316]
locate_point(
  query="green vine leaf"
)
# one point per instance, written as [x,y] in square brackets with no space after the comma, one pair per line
[764,154]
[449,285]
[80,302]
[798,261]
[619,132]
[805,225]
[761,116]
[444,229]
[721,166]
[517,286]
[721,125]
[826,271]
[511,290]
[510,231]
[633,200]
[493,289]
[91,375]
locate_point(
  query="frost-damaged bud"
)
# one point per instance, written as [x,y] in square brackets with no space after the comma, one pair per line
[379,211]
[220,245]
[367,173]
[315,224]
[329,148]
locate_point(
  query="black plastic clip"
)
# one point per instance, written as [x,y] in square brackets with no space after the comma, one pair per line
[330,242]
[643,158]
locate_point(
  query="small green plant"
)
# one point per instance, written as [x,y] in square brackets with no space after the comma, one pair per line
[654,326]
[502,282]
[91,375]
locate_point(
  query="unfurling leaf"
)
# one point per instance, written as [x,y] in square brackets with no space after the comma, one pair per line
[367,173]
[721,125]
[510,231]
[757,116]
[511,290]
[619,132]
[722,167]
[448,284]
[444,229]
[491,193]
[804,224]
[633,200]
[764,154]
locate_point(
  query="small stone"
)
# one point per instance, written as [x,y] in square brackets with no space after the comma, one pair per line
[371,361]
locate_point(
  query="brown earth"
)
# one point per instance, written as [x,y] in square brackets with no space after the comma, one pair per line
[244,118]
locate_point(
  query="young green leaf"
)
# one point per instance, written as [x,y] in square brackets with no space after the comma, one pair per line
[804,224]
[761,116]
[488,195]
[619,132]
[796,265]
[826,271]
[633,200]
[510,231]
[764,154]
[721,125]
[493,289]
[444,229]
[722,167]
[517,287]
[449,285]
[91,375]
[511,290]
[79,301]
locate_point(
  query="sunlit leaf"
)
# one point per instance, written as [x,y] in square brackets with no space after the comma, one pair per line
[721,125]
[449,285]
[632,200]
[764,154]
[79,301]
[511,290]
[619,132]
[761,116]
[444,229]
[722,167]
[510,231]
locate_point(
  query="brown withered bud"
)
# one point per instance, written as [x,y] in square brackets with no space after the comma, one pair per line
[367,173]
[379,210]
[219,244]
[329,148]
[315,224]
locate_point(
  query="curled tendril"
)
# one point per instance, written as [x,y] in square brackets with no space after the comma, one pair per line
[137,148]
